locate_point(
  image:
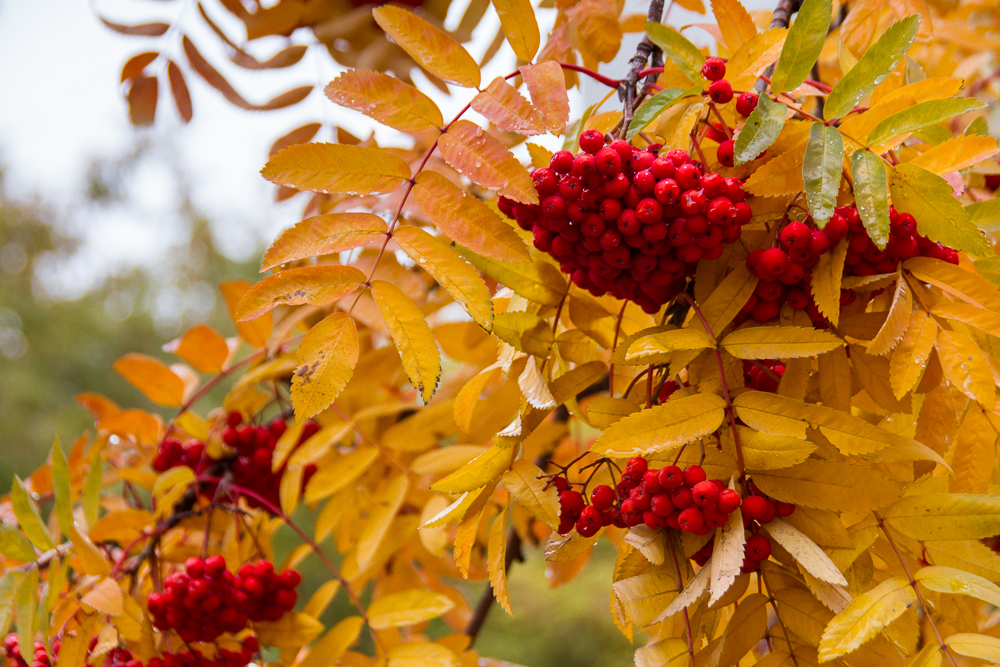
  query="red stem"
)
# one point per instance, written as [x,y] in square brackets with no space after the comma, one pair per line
[610,83]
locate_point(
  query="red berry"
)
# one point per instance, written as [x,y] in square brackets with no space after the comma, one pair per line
[603,497]
[609,162]
[691,520]
[720,91]
[754,507]
[561,162]
[758,548]
[784,509]
[671,477]
[630,514]
[725,153]
[819,243]
[591,140]
[561,484]
[795,235]
[636,466]
[728,501]
[694,474]
[681,497]
[746,103]
[714,69]
[688,176]
[590,521]
[571,503]
[650,482]
[661,504]
[704,493]
[772,263]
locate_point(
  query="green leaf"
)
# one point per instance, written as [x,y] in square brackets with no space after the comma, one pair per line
[989,269]
[61,488]
[26,606]
[801,50]
[934,135]
[652,108]
[9,583]
[870,194]
[92,491]
[821,171]
[761,129]
[872,69]
[676,47]
[978,126]
[919,116]
[28,516]
[939,215]
[13,544]
[985,214]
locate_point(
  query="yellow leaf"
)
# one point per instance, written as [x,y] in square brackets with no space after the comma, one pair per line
[421,654]
[808,554]
[956,281]
[781,175]
[468,396]
[729,297]
[407,607]
[522,482]
[667,651]
[968,555]
[829,485]
[643,596]
[379,519]
[895,323]
[497,561]
[105,597]
[254,332]
[975,646]
[640,349]
[865,617]
[517,18]
[945,516]
[315,285]
[435,51]
[985,320]
[536,281]
[652,544]
[466,219]
[293,629]
[451,271]
[909,359]
[89,558]
[533,386]
[122,526]
[333,645]
[957,153]
[483,159]
[386,99]
[506,108]
[337,169]
[333,475]
[827,276]
[765,451]
[727,555]
[176,477]
[735,23]
[957,582]
[325,359]
[478,472]
[323,235]
[753,55]
[779,342]
[412,336]
[691,593]
[603,411]
[322,598]
[75,645]
[547,86]
[540,156]
[975,453]
[202,347]
[966,367]
[746,628]
[152,377]
[663,427]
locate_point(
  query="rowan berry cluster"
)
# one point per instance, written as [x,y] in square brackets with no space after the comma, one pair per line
[206,599]
[720,91]
[39,658]
[225,657]
[763,376]
[785,272]
[630,222]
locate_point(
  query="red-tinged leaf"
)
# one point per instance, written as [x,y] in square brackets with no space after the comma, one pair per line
[385,99]
[179,89]
[299,135]
[547,87]
[326,360]
[202,347]
[217,81]
[98,406]
[435,51]
[142,30]
[483,159]
[323,235]
[152,377]
[255,332]
[338,168]
[141,97]
[284,58]
[466,219]
[315,285]
[134,66]
[517,18]
[280,19]
[501,103]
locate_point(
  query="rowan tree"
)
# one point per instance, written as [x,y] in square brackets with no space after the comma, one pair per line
[741,325]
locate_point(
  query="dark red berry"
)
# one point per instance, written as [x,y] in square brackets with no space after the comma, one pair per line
[714,69]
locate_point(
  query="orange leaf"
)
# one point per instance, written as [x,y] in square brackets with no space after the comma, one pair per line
[734,22]
[501,103]
[337,168]
[466,219]
[323,235]
[135,65]
[138,424]
[326,360]
[386,99]
[105,597]
[299,135]
[141,97]
[142,30]
[98,406]
[483,159]
[315,285]
[152,377]
[517,18]
[213,78]
[433,50]
[201,347]
[547,87]
[255,332]
[179,89]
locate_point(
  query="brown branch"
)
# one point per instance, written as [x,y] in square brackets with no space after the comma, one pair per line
[645,49]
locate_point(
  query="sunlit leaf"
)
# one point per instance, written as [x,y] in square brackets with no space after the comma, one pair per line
[326,359]
[386,99]
[314,285]
[435,51]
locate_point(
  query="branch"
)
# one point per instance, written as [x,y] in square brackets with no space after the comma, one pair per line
[646,48]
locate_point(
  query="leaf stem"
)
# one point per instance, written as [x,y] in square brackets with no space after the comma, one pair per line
[611,367]
[680,585]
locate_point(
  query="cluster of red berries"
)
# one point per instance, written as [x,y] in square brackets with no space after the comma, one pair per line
[39,658]
[225,657]
[173,453]
[206,600]
[720,91]
[763,377]
[255,448]
[785,272]
[630,222]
